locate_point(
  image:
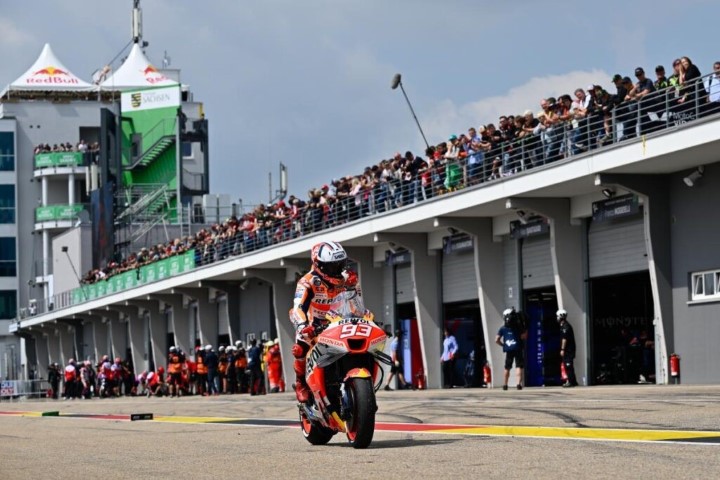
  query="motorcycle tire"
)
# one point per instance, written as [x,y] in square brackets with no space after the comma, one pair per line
[314,433]
[361,426]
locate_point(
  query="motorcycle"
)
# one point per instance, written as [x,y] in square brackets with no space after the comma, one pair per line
[344,371]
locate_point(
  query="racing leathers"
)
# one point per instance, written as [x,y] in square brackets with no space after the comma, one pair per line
[313,297]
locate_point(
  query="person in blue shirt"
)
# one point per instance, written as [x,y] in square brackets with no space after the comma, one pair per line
[396,369]
[450,348]
[511,338]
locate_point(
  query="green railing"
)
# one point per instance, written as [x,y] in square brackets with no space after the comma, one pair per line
[159,270]
[58,159]
[58,212]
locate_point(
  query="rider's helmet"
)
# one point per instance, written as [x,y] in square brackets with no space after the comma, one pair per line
[561,315]
[329,261]
[510,317]
[173,349]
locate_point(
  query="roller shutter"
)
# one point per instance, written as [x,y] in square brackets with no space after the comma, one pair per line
[617,246]
[404,284]
[537,267]
[458,277]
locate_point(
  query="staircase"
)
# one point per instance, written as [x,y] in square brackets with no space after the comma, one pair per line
[155,142]
[146,206]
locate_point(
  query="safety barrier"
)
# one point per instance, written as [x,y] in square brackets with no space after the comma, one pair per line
[14,389]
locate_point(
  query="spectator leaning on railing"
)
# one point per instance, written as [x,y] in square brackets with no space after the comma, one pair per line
[566,126]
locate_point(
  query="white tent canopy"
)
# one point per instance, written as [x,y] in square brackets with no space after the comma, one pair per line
[136,71]
[49,73]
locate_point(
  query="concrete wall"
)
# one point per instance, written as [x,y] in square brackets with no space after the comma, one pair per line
[695,239]
[255,309]
[79,243]
[41,122]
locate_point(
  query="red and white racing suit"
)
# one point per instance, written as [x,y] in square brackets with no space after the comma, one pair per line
[313,297]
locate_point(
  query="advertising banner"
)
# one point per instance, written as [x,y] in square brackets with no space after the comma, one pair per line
[58,159]
[155,271]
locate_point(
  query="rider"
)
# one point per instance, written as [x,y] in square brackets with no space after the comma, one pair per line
[327,279]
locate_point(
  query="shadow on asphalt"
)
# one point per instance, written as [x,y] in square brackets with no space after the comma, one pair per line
[401,443]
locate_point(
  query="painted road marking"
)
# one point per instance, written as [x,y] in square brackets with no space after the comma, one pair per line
[568,433]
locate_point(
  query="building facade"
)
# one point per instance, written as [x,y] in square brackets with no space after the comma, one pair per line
[622,238]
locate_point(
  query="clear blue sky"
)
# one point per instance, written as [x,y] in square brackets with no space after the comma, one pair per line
[308,83]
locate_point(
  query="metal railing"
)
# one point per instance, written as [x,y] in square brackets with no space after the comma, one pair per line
[152,139]
[602,129]
[15,389]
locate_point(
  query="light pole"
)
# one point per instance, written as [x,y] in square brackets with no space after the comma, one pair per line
[397,81]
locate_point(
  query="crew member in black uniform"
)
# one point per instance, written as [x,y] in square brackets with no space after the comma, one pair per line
[567,348]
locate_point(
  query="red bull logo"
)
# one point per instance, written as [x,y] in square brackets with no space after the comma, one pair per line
[152,75]
[51,74]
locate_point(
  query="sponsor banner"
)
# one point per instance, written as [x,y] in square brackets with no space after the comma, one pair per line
[147,274]
[135,101]
[397,258]
[58,212]
[533,228]
[618,207]
[58,159]
[7,388]
[457,244]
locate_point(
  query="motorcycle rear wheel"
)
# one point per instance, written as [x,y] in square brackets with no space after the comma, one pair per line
[361,426]
[314,433]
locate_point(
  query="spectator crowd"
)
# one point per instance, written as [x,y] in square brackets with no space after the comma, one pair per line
[567,125]
[82,146]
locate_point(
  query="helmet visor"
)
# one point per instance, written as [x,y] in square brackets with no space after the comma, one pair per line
[333,269]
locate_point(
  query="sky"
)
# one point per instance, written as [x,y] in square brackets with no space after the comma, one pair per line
[308,83]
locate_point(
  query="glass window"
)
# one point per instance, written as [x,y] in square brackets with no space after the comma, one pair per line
[187,150]
[7,203]
[8,304]
[709,280]
[7,151]
[8,257]
[705,285]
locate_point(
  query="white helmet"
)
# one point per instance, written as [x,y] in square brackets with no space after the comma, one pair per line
[221,348]
[329,260]
[208,348]
[562,314]
[172,349]
[238,343]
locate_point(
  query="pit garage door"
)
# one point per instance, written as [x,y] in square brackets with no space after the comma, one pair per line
[617,246]
[404,284]
[458,277]
[537,269]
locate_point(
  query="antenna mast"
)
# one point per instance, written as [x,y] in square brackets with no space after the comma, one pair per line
[137,22]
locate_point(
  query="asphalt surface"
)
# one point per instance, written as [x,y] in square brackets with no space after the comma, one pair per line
[665,432]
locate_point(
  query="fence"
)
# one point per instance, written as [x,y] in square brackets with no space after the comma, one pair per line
[14,389]
[606,124]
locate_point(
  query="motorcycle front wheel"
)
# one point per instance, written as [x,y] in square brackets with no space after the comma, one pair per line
[361,424]
[314,433]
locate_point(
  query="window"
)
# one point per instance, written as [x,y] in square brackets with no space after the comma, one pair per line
[7,203]
[8,257]
[705,285]
[8,304]
[7,152]
[187,150]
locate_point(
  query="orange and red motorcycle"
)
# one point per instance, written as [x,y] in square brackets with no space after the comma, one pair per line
[343,372]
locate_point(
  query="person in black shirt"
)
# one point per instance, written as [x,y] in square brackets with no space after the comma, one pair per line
[567,348]
[511,337]
[257,380]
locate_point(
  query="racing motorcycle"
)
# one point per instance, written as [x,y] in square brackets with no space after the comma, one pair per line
[344,371]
